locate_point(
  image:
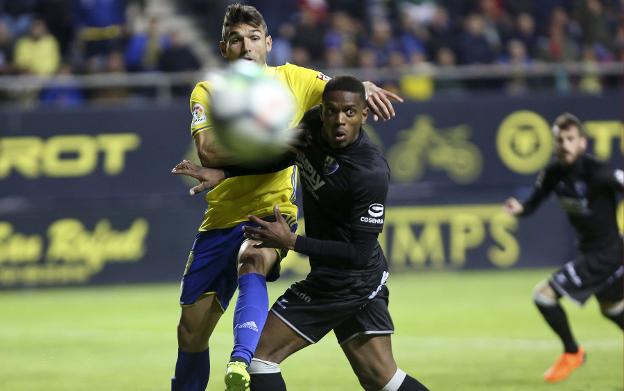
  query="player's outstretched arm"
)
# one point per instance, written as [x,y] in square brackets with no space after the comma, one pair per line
[380,101]
[207,177]
[513,206]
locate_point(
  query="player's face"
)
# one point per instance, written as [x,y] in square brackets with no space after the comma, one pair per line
[343,114]
[246,42]
[569,144]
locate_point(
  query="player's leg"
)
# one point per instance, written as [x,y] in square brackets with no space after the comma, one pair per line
[547,301]
[208,284]
[365,340]
[197,322]
[611,298]
[372,361]
[251,310]
[278,341]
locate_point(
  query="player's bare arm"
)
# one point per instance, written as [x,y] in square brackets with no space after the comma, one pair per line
[207,177]
[210,153]
[275,234]
[513,206]
[380,101]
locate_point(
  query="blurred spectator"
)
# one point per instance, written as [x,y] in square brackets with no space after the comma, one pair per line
[589,82]
[114,64]
[178,56]
[473,46]
[100,25]
[525,32]
[144,48]
[281,51]
[594,21]
[445,59]
[308,37]
[558,47]
[18,15]
[63,91]
[441,33]
[518,58]
[38,52]
[57,14]
[382,42]
[6,49]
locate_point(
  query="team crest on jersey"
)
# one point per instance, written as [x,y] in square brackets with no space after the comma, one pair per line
[199,114]
[330,166]
[322,76]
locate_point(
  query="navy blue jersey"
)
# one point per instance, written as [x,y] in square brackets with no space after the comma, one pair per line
[344,191]
[588,191]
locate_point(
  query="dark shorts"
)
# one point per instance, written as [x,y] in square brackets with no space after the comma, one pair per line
[599,273]
[211,267]
[350,305]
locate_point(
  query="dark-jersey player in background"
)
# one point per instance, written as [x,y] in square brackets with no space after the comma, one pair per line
[587,190]
[345,183]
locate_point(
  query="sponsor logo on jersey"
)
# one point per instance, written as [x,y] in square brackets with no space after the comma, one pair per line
[330,166]
[311,178]
[199,114]
[371,220]
[322,76]
[251,325]
[376,210]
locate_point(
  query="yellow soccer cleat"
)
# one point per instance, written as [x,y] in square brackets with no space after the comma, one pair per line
[236,377]
[565,365]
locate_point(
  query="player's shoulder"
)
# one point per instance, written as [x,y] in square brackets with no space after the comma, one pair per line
[292,71]
[592,163]
[201,91]
[368,159]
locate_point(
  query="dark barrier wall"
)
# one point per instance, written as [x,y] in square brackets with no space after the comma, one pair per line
[86,195]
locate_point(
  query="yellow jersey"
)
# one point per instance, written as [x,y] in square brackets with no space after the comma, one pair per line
[234,199]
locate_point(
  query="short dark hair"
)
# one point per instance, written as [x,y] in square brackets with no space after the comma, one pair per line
[345,83]
[567,120]
[238,13]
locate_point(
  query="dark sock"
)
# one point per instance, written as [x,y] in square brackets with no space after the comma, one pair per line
[250,315]
[617,319]
[411,384]
[556,318]
[192,371]
[267,382]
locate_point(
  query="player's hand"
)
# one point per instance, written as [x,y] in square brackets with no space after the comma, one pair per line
[380,101]
[275,234]
[300,139]
[513,206]
[207,177]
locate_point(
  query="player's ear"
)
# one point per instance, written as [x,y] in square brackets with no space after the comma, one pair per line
[364,114]
[269,43]
[322,111]
[583,142]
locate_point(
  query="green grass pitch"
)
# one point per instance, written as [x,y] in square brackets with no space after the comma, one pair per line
[454,331]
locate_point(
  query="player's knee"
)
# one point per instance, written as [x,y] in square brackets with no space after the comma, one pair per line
[372,377]
[251,262]
[544,294]
[612,309]
[191,341]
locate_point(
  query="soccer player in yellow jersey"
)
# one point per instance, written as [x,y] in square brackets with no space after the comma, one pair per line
[221,258]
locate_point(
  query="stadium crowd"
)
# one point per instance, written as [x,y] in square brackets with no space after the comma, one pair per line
[60,37]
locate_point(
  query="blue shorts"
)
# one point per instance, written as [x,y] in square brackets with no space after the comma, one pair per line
[212,265]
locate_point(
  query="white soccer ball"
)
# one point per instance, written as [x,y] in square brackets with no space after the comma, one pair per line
[251,112]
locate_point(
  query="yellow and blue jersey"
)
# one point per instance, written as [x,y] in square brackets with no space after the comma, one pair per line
[232,200]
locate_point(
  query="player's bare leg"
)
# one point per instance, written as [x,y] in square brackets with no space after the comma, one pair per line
[197,322]
[251,311]
[547,302]
[278,341]
[372,361]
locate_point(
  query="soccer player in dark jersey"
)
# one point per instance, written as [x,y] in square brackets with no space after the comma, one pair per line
[587,190]
[345,183]
[221,259]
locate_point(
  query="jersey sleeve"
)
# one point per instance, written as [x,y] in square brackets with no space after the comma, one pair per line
[606,176]
[544,184]
[199,103]
[369,200]
[306,84]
